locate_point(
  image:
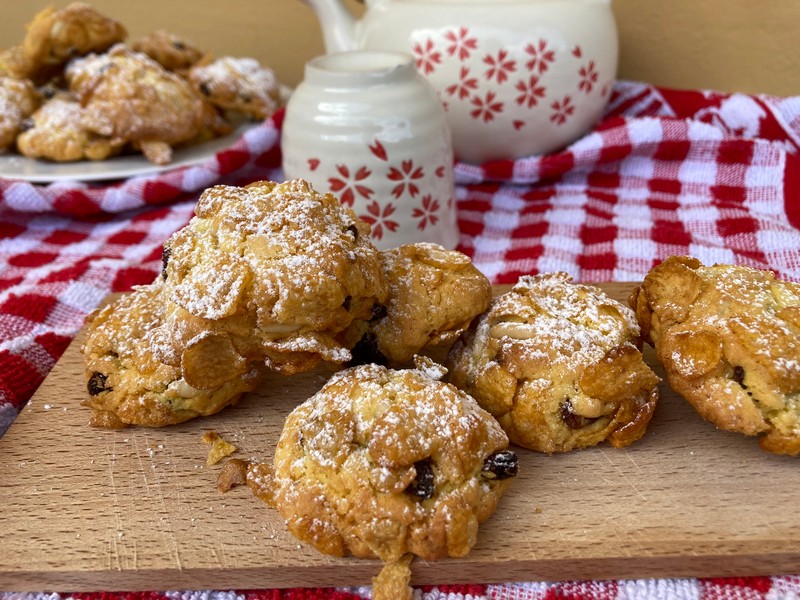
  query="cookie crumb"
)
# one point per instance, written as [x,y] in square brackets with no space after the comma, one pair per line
[392,582]
[219,447]
[233,473]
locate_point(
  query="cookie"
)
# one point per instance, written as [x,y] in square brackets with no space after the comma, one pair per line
[271,273]
[558,364]
[434,293]
[18,100]
[240,84]
[169,50]
[127,385]
[55,36]
[384,463]
[12,63]
[55,132]
[126,95]
[729,339]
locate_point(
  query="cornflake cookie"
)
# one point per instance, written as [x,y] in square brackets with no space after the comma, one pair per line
[169,50]
[240,84]
[127,385]
[558,364]
[18,100]
[729,339]
[12,63]
[434,293]
[56,36]
[55,132]
[385,463]
[127,95]
[271,273]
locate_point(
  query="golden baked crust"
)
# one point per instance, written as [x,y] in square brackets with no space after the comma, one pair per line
[127,385]
[56,133]
[241,84]
[169,50]
[12,63]
[729,339]
[558,364]
[127,95]
[18,100]
[271,273]
[58,35]
[380,463]
[434,293]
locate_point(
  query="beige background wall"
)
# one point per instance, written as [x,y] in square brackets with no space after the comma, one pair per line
[727,45]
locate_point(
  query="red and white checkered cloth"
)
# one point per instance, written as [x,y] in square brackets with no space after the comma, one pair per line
[744,588]
[665,172]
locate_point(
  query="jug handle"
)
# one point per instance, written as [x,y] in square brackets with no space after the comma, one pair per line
[337,23]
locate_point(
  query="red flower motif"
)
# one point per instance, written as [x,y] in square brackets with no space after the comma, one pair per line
[378,150]
[531,91]
[406,176]
[486,107]
[499,66]
[464,84]
[562,110]
[426,213]
[426,58]
[379,219]
[541,56]
[588,76]
[348,188]
[461,44]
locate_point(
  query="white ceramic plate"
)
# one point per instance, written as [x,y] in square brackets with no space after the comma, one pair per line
[14,166]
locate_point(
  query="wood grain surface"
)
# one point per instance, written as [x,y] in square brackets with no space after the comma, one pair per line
[83,509]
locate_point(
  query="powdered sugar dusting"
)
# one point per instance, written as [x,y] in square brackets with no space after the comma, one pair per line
[243,73]
[550,319]
[16,103]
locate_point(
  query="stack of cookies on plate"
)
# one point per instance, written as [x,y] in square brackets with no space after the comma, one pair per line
[73,90]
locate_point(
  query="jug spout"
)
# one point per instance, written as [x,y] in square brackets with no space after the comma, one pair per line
[337,24]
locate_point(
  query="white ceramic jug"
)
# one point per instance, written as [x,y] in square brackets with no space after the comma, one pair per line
[365,126]
[517,77]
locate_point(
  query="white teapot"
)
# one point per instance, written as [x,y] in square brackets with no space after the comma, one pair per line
[516,77]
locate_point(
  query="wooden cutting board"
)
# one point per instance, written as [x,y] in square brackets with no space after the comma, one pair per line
[83,509]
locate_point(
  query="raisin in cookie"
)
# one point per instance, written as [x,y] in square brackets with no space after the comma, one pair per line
[271,273]
[558,364]
[434,293]
[384,463]
[127,385]
[729,339]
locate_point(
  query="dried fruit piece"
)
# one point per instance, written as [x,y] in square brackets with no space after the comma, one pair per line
[500,465]
[97,384]
[165,254]
[572,419]
[422,486]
